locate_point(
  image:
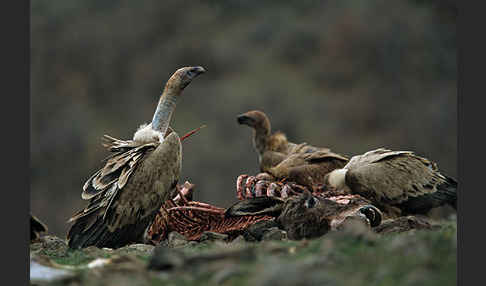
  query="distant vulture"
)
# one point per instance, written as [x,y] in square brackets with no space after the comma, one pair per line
[271,148]
[36,228]
[126,194]
[308,216]
[399,182]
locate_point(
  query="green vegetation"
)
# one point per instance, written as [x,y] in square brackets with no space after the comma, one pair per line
[421,257]
[74,258]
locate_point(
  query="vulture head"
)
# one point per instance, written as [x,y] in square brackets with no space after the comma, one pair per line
[167,102]
[255,119]
[183,77]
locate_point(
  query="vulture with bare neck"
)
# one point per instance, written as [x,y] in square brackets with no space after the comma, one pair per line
[272,148]
[398,182]
[126,194]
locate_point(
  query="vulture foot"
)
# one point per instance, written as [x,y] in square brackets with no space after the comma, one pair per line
[248,187]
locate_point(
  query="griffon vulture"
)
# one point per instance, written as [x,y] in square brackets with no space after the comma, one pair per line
[396,181]
[271,148]
[126,194]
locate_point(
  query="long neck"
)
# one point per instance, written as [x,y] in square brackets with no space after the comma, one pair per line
[166,106]
[260,139]
[261,135]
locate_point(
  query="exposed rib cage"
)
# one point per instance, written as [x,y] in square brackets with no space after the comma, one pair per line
[192,219]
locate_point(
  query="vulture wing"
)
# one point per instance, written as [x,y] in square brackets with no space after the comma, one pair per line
[270,159]
[399,178]
[306,148]
[373,157]
[126,194]
[323,156]
[308,168]
[118,167]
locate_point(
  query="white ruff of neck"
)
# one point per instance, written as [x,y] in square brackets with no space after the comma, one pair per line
[146,134]
[337,178]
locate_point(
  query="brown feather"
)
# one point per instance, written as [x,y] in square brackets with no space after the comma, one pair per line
[308,169]
[118,168]
[274,148]
[398,178]
[126,195]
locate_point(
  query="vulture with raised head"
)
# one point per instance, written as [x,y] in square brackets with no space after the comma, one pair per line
[271,148]
[126,194]
[36,228]
[399,182]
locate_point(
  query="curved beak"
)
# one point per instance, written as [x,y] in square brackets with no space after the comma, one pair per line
[244,119]
[198,70]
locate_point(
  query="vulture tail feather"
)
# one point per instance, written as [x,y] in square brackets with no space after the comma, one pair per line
[446,194]
[100,236]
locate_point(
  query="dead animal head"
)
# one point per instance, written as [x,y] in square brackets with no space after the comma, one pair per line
[308,216]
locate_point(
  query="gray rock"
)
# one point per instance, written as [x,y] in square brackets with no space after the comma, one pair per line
[164,258]
[406,224]
[176,239]
[93,251]
[51,246]
[274,233]
[213,236]
[225,273]
[136,248]
[192,243]
[285,273]
[238,240]
[255,231]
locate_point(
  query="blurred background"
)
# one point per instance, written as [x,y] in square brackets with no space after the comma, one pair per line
[349,75]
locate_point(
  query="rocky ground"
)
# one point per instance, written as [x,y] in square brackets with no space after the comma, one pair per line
[406,252]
